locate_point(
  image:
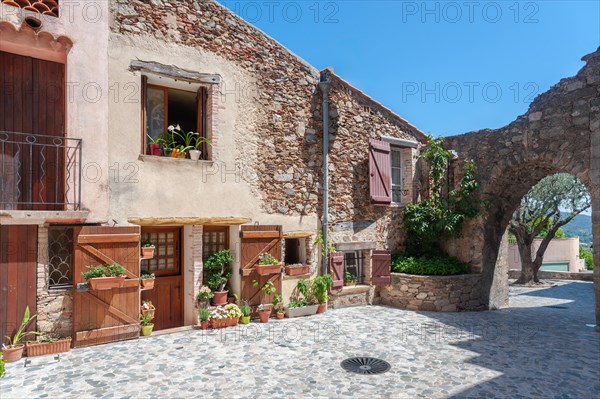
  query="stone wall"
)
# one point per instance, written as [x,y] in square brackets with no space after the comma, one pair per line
[354,296]
[546,274]
[433,293]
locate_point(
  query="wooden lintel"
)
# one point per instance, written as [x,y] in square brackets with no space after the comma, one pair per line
[107,238]
[260,234]
[65,221]
[298,234]
[222,221]
[106,332]
[173,72]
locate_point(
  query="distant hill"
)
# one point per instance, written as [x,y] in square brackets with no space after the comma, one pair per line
[580,226]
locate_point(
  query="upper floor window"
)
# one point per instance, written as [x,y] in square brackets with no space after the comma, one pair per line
[182,105]
[390,171]
[396,174]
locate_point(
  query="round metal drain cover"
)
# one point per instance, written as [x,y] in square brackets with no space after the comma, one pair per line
[365,365]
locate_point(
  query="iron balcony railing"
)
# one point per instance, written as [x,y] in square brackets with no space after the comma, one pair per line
[39,172]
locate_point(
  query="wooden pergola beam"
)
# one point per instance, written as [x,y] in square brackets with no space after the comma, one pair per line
[217,221]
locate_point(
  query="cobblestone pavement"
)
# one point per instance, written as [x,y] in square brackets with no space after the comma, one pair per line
[540,348]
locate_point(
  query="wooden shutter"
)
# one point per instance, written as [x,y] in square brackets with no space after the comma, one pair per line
[379,172]
[201,98]
[336,269]
[144,113]
[381,266]
[108,315]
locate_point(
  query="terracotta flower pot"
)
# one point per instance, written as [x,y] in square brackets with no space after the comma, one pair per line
[148,252]
[204,325]
[265,270]
[13,354]
[47,348]
[245,319]
[220,298]
[280,315]
[151,311]
[264,315]
[322,307]
[147,330]
[215,323]
[230,299]
[296,270]
[106,283]
[148,283]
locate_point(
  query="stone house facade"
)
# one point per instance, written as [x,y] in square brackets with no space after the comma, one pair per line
[138,65]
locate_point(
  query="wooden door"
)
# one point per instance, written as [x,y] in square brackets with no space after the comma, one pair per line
[32,100]
[257,240]
[107,315]
[18,276]
[167,294]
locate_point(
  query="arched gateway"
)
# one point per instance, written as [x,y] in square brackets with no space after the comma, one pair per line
[559,133]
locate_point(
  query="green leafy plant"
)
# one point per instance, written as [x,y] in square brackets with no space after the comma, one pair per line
[188,139]
[278,303]
[147,244]
[16,339]
[146,319]
[219,269]
[320,287]
[2,362]
[319,240]
[146,276]
[297,303]
[587,257]
[201,140]
[204,314]
[349,277]
[439,265]
[204,294]
[113,270]
[152,140]
[267,259]
[245,308]
[268,289]
[440,216]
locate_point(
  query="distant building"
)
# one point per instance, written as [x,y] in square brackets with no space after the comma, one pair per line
[561,255]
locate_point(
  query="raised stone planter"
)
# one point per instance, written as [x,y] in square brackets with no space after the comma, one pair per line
[433,293]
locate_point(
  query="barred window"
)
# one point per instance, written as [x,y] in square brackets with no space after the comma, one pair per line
[60,257]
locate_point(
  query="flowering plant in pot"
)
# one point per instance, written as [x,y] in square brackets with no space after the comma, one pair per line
[349,279]
[148,307]
[14,350]
[278,305]
[105,277]
[234,313]
[48,344]
[204,317]
[146,322]
[264,309]
[147,280]
[246,311]
[148,249]
[219,273]
[196,152]
[218,317]
[320,289]
[204,296]
[295,269]
[268,264]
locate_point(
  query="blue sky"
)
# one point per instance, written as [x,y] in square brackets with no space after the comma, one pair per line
[448,67]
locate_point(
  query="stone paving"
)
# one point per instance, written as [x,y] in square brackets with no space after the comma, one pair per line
[539,348]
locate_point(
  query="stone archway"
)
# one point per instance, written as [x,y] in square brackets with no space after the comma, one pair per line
[559,133]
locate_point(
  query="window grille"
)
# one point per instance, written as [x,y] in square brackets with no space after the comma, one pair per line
[60,257]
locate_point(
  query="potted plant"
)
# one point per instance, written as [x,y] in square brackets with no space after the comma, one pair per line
[204,317]
[232,297]
[268,264]
[204,296]
[349,279]
[218,317]
[147,249]
[147,280]
[105,277]
[296,269]
[264,309]
[47,345]
[278,305]
[301,302]
[14,350]
[195,153]
[187,141]
[246,312]
[167,140]
[147,325]
[233,314]
[219,273]
[320,290]
[154,145]
[148,307]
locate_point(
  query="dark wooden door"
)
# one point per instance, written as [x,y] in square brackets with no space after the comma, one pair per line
[32,101]
[167,294]
[257,240]
[18,276]
[106,315]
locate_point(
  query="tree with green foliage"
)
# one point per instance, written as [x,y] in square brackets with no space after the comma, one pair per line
[440,217]
[548,206]
[587,257]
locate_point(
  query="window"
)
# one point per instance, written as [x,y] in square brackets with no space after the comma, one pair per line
[166,261]
[295,251]
[353,265]
[182,105]
[214,238]
[60,257]
[396,175]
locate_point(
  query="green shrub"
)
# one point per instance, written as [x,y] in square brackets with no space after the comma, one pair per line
[113,270]
[429,265]
[587,257]
[1,367]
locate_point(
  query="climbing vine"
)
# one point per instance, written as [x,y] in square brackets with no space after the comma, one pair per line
[440,217]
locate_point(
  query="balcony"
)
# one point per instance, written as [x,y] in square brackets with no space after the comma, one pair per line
[39,172]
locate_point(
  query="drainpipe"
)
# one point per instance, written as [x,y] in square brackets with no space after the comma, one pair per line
[325,86]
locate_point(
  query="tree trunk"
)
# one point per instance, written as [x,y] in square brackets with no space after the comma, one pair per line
[528,267]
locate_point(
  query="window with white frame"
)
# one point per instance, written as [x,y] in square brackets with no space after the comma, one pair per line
[353,265]
[396,174]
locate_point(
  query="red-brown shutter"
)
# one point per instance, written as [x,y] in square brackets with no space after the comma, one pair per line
[336,269]
[382,265]
[380,181]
